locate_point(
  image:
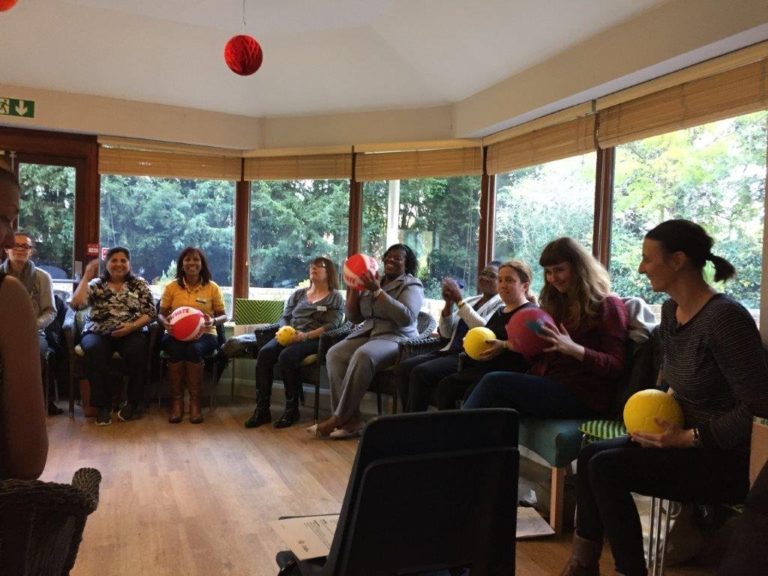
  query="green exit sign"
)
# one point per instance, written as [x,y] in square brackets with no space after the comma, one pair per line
[17,107]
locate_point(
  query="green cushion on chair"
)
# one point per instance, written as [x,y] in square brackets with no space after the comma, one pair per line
[257,311]
[603,429]
[556,441]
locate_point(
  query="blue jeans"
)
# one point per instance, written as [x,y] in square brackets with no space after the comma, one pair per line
[193,351]
[532,396]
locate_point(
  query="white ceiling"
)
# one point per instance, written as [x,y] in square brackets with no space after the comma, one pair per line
[320,56]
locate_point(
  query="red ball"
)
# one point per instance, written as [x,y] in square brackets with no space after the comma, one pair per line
[6,5]
[355,266]
[523,331]
[187,323]
[243,54]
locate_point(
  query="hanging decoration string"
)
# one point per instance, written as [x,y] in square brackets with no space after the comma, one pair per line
[242,53]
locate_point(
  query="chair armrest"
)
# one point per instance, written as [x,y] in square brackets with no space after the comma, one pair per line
[87,480]
[265,333]
[416,346]
[328,339]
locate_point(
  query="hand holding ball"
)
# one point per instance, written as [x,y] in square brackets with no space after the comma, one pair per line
[187,323]
[476,341]
[645,406]
[285,335]
[355,267]
[524,331]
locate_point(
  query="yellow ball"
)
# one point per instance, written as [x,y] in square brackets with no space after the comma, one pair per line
[643,407]
[285,335]
[475,341]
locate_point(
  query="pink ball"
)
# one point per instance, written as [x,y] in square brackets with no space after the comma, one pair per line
[355,266]
[243,54]
[187,323]
[523,331]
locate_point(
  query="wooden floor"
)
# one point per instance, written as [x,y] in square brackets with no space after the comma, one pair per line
[197,500]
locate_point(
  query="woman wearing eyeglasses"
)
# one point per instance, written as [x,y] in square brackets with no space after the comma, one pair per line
[39,287]
[311,311]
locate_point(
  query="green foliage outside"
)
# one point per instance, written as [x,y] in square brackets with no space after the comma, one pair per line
[438,218]
[155,218]
[292,222]
[538,204]
[712,174]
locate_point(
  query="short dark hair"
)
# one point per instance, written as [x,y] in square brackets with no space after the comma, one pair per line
[205,272]
[692,240]
[111,252]
[411,262]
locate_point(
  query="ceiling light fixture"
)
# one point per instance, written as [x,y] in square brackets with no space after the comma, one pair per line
[242,53]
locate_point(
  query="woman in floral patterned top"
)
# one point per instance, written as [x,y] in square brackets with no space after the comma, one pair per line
[121,307]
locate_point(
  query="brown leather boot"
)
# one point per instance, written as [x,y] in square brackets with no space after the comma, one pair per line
[195,387]
[585,558]
[176,380]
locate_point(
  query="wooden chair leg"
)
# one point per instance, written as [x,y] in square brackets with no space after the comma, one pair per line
[557,499]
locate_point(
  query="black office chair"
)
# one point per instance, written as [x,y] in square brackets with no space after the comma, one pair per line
[41,523]
[427,492]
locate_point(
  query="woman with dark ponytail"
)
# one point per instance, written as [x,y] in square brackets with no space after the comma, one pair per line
[714,364]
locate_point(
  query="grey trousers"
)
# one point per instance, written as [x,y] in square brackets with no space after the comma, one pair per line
[352,364]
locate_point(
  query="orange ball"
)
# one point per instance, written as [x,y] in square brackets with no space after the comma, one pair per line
[645,406]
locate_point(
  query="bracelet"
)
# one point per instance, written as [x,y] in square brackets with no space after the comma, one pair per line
[461,303]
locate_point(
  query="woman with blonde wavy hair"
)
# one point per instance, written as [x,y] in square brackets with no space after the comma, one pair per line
[575,375]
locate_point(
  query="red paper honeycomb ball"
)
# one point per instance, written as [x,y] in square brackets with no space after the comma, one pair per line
[243,54]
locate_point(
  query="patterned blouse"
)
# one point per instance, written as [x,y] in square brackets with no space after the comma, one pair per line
[109,309]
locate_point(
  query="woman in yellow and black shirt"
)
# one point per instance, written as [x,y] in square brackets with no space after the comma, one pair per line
[193,287]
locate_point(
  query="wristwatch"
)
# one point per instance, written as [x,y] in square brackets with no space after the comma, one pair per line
[696,438]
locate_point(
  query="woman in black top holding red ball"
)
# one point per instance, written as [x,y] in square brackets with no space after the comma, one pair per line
[714,364]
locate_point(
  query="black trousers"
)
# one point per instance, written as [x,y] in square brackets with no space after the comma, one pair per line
[420,374]
[609,471]
[98,355]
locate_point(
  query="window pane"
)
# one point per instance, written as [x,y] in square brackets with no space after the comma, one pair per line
[47,213]
[538,204]
[437,217]
[292,222]
[712,174]
[155,218]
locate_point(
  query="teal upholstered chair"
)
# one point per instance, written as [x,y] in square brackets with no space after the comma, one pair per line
[558,441]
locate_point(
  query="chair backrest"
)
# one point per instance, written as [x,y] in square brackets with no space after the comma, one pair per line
[429,491]
[642,370]
[257,311]
[41,523]
[425,324]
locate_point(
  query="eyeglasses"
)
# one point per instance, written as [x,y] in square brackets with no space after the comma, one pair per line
[22,247]
[318,265]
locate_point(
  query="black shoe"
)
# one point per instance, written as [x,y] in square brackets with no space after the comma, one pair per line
[260,416]
[104,417]
[127,412]
[53,410]
[289,418]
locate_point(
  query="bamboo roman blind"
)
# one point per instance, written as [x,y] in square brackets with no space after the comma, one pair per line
[731,93]
[299,167]
[561,140]
[418,164]
[128,162]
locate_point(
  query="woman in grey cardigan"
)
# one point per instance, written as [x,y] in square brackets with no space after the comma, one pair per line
[311,311]
[387,309]
[39,287]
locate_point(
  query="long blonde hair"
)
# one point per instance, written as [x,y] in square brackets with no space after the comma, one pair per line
[590,283]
